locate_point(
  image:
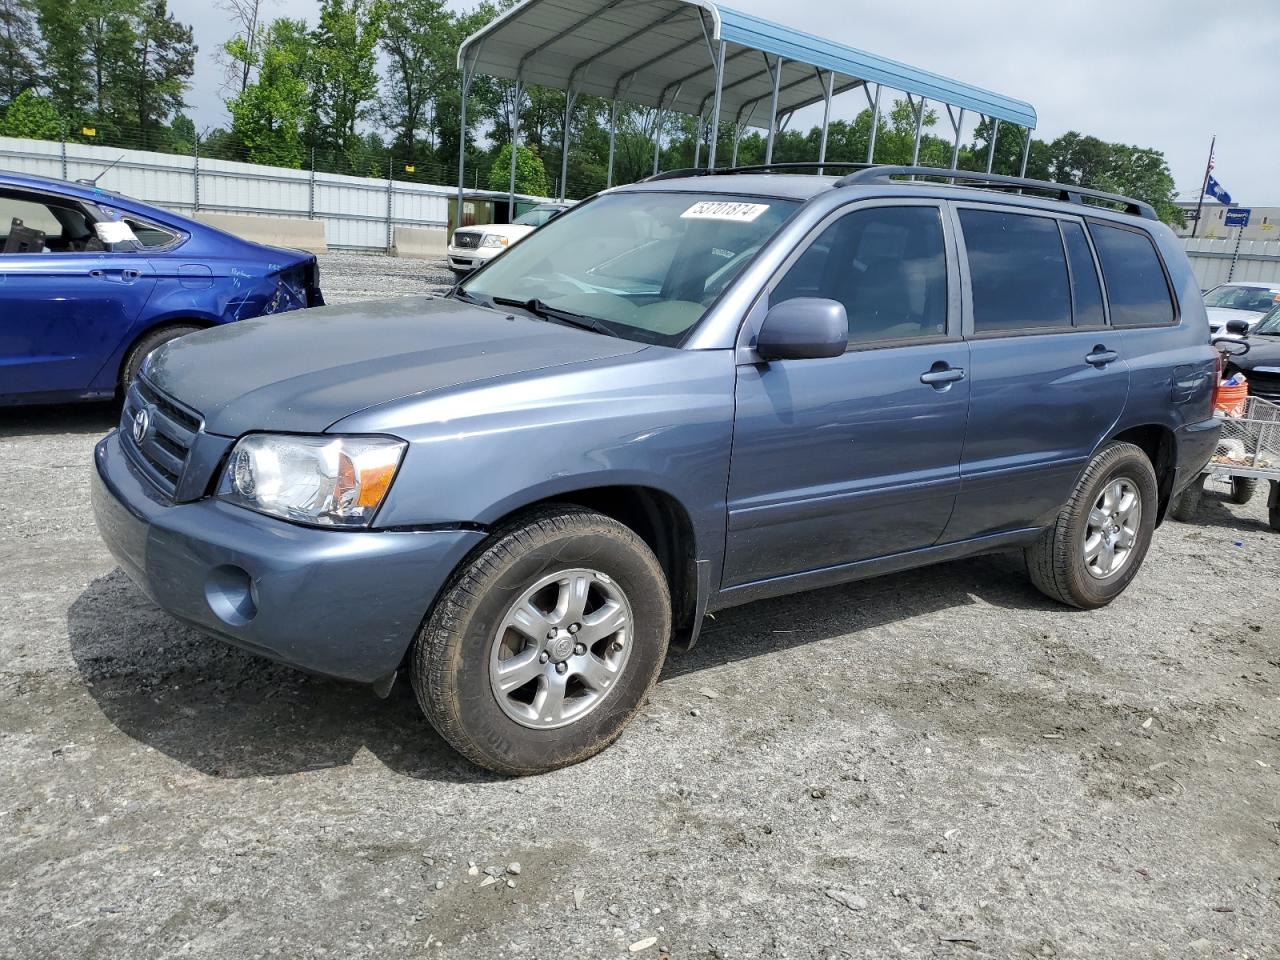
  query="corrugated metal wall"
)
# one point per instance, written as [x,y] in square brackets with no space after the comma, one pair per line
[354,209]
[1217,261]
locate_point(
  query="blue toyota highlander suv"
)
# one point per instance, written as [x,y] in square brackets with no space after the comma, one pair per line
[681,395]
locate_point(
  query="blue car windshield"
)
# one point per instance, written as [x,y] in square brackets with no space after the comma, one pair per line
[643,265]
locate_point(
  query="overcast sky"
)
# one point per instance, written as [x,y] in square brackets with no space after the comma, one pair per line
[1156,73]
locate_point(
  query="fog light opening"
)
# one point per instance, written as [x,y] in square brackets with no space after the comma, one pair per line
[232,595]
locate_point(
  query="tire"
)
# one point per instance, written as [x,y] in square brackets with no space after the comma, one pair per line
[133,359]
[1059,562]
[458,654]
[1243,489]
[1186,504]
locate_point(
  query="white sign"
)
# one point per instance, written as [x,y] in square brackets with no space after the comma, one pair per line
[733,210]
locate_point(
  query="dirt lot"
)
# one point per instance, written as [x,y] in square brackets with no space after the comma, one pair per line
[939,764]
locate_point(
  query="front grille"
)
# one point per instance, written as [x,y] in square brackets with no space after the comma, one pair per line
[170,430]
[466,241]
[1266,386]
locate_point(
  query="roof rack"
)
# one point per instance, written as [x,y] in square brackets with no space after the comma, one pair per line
[757,168]
[1068,193]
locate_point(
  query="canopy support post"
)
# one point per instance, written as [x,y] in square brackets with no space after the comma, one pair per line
[570,98]
[776,70]
[737,140]
[875,125]
[613,141]
[697,142]
[919,111]
[1026,153]
[991,150]
[828,92]
[515,148]
[957,124]
[657,139]
[715,108]
[462,143]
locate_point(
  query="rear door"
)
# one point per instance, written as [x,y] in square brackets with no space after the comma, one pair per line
[65,300]
[854,457]
[1048,373]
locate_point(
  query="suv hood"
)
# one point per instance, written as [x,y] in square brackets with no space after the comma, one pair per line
[513,231]
[303,371]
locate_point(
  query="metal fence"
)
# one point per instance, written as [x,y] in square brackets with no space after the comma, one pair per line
[359,213]
[1221,261]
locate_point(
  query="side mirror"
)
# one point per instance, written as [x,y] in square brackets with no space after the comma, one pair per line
[1239,327]
[806,328]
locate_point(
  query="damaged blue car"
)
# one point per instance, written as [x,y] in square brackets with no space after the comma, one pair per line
[92,281]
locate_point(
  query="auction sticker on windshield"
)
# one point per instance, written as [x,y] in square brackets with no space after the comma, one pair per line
[725,210]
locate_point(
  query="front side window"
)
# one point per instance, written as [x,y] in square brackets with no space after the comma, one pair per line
[641,265]
[1136,286]
[1018,271]
[32,224]
[887,265]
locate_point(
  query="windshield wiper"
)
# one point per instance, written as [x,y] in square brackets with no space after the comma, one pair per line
[466,297]
[547,312]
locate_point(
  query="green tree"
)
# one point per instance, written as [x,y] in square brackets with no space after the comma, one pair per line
[417,43]
[269,117]
[33,116]
[153,81]
[20,51]
[345,78]
[66,68]
[531,176]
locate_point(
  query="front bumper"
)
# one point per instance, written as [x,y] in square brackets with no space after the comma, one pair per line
[466,259]
[346,604]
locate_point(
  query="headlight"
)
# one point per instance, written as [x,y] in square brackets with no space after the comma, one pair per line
[325,481]
[494,240]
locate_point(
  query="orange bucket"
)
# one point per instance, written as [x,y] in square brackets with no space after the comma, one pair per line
[1230,401]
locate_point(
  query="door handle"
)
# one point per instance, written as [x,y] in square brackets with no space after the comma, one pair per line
[130,275]
[1101,356]
[941,375]
[97,274]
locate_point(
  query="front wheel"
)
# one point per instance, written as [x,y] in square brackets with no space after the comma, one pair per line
[544,645]
[1096,545]
[1243,489]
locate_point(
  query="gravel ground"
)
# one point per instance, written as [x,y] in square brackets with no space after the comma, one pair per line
[937,764]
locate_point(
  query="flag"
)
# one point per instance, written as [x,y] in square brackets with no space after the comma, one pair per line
[1214,189]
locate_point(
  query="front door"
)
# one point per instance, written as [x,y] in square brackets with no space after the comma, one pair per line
[65,302]
[857,456]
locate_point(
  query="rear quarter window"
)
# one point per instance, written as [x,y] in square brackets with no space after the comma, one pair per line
[1137,287]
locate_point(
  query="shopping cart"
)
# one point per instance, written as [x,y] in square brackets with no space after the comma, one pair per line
[1248,452]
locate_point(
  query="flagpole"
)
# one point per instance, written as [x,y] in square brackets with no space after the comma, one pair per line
[1208,168]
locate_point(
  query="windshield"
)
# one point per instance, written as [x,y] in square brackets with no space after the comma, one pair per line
[1270,324]
[1256,299]
[536,217]
[646,265]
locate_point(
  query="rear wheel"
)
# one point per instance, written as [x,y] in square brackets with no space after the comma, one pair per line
[1186,504]
[156,338]
[1243,489]
[1095,547]
[545,644]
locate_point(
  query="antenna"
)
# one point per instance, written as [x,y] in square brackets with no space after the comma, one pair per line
[102,173]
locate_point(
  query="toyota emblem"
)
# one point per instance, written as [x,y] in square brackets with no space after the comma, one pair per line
[141,425]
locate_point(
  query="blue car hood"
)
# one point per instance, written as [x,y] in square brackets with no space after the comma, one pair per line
[304,371]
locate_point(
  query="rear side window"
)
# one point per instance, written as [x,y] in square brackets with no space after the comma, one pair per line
[1136,286]
[887,265]
[1018,271]
[1086,291]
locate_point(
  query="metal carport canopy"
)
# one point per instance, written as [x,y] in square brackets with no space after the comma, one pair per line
[675,55]
[655,53]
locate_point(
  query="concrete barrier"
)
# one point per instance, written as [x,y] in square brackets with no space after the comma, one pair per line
[293,232]
[421,243]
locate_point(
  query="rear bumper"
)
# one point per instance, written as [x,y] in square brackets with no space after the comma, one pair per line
[1196,443]
[341,603]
